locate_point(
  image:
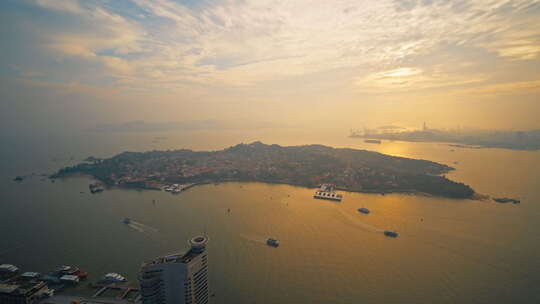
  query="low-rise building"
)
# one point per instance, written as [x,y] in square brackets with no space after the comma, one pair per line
[23,292]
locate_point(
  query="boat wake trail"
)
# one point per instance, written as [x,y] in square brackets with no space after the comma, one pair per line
[253,238]
[140,227]
[355,221]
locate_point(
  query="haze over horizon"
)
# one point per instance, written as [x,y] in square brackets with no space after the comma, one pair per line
[69,64]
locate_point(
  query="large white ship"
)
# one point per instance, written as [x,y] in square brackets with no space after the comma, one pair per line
[326,191]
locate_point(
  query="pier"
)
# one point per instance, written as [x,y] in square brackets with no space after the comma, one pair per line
[122,290]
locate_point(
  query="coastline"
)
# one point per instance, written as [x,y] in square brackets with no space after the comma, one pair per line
[308,166]
[134,186]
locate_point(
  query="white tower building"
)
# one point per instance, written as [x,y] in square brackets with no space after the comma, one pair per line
[177,278]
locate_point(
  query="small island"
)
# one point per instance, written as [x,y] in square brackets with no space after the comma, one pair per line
[308,166]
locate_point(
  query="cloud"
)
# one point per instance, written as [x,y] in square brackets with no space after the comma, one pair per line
[166,45]
[409,78]
[505,88]
[72,6]
[520,50]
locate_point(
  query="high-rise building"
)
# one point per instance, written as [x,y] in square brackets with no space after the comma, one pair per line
[177,278]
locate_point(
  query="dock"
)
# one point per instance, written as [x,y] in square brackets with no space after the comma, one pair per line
[123,290]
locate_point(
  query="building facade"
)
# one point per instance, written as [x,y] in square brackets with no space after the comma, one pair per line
[25,293]
[177,278]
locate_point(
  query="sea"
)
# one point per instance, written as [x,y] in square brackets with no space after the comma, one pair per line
[448,250]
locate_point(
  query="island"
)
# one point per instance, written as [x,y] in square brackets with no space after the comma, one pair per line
[309,166]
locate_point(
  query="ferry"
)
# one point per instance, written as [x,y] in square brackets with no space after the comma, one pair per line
[326,191]
[272,242]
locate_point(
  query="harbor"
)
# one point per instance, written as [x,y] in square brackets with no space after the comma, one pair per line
[58,285]
[177,188]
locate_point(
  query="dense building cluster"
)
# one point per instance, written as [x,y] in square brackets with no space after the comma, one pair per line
[348,169]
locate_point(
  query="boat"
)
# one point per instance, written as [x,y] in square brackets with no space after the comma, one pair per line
[372,141]
[126,221]
[82,274]
[51,279]
[68,270]
[328,196]
[326,191]
[8,268]
[272,242]
[505,200]
[389,233]
[113,277]
[95,188]
[363,210]
[68,278]
[30,275]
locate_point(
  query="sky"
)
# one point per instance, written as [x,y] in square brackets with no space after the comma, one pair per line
[335,64]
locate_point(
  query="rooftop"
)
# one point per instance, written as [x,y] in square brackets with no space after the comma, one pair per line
[198,244]
[20,287]
[8,288]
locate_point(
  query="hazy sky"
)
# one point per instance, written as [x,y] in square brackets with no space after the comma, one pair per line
[346,63]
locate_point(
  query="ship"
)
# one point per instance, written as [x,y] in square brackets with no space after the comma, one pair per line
[126,221]
[363,210]
[272,242]
[505,200]
[326,191]
[389,233]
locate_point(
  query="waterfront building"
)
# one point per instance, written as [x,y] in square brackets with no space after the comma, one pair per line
[180,278]
[23,292]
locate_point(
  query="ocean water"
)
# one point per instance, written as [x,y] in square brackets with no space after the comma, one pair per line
[448,251]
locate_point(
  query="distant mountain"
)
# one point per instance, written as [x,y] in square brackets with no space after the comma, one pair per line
[143,126]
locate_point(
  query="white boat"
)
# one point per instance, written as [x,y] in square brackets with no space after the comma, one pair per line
[30,275]
[68,278]
[326,191]
[113,277]
[8,268]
